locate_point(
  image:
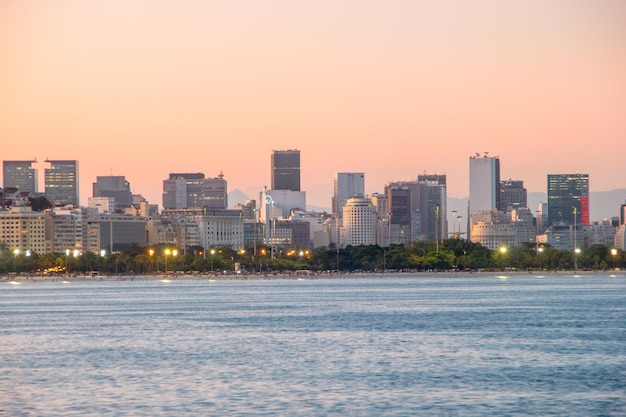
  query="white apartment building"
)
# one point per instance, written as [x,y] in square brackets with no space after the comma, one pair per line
[359,222]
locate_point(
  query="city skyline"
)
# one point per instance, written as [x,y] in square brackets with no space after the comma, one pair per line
[391,90]
[40,167]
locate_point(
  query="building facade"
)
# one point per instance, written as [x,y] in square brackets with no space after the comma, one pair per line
[347,185]
[513,195]
[433,207]
[65,228]
[116,187]
[286,170]
[359,222]
[399,215]
[568,199]
[23,230]
[484,176]
[61,182]
[193,190]
[118,232]
[20,175]
[493,229]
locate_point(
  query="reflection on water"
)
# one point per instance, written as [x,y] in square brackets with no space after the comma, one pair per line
[395,346]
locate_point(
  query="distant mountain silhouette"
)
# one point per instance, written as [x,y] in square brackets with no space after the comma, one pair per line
[236,197]
[318,209]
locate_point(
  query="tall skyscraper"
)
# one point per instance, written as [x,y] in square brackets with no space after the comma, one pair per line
[347,185]
[409,229]
[433,202]
[61,182]
[484,174]
[286,170]
[399,211]
[568,199]
[20,174]
[116,187]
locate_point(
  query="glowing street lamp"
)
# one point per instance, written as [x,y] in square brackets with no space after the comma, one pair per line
[212,253]
[576,253]
[151,254]
[539,252]
[502,250]
[614,254]
[167,253]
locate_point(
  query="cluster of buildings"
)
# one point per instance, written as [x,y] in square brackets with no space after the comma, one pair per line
[195,214]
[499,214]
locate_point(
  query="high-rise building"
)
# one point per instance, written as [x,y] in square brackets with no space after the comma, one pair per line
[484,175]
[404,205]
[568,199]
[424,217]
[174,193]
[61,182]
[286,170]
[116,187]
[20,175]
[193,190]
[513,195]
[359,222]
[347,185]
[433,203]
[399,211]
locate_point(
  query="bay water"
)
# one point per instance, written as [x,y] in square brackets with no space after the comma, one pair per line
[405,345]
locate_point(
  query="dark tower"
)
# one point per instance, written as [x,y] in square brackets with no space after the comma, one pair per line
[286,170]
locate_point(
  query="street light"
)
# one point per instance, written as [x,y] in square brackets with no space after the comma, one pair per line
[167,253]
[614,254]
[502,250]
[539,251]
[576,252]
[151,254]
[454,223]
[174,252]
[67,253]
[212,253]
[437,228]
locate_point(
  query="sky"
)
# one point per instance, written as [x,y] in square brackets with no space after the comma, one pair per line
[393,89]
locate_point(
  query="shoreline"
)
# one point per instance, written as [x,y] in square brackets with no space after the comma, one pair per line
[306,276]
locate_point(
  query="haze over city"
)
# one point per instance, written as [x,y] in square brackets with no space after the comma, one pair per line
[146,88]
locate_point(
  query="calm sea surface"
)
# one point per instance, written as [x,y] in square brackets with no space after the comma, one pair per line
[393,346]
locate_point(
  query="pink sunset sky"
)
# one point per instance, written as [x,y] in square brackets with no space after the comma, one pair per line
[391,88]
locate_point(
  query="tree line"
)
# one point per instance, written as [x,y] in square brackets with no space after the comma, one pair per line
[450,254]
